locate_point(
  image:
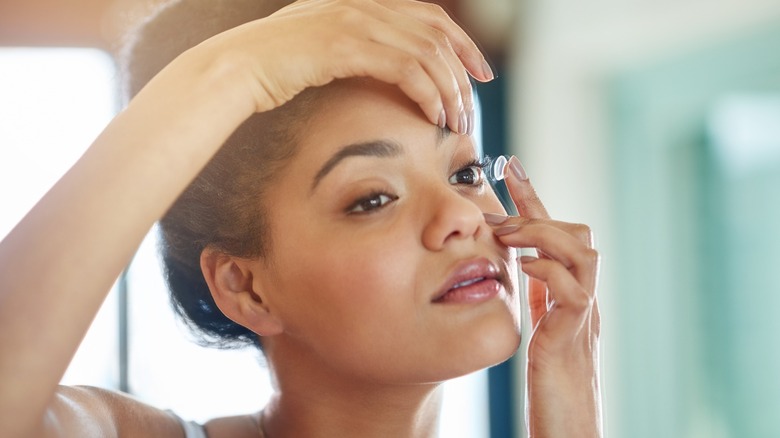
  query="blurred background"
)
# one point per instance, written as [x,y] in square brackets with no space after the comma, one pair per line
[655,122]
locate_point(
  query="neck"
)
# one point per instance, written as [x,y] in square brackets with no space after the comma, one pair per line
[322,404]
[347,414]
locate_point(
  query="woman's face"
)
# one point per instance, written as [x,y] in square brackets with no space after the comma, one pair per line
[374,222]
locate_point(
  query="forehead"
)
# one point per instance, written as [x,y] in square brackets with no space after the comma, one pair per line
[357,110]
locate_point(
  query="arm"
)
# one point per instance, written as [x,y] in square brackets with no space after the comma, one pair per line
[57,265]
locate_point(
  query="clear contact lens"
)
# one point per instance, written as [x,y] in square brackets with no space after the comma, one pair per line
[494,168]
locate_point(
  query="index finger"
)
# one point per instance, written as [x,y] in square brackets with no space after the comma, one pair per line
[523,193]
[530,206]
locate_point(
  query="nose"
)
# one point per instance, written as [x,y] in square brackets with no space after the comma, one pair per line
[452,217]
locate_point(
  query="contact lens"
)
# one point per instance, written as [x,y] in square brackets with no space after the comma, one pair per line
[494,168]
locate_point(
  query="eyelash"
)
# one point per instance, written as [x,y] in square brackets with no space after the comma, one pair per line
[359,206]
[368,204]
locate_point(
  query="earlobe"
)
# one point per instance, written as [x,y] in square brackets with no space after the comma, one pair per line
[230,280]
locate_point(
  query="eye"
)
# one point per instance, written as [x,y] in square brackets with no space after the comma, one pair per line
[371,203]
[471,175]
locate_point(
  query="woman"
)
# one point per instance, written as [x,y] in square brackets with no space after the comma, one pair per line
[344,227]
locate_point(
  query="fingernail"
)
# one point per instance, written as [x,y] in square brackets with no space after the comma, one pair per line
[472,122]
[517,168]
[506,229]
[487,71]
[442,119]
[462,120]
[528,259]
[495,219]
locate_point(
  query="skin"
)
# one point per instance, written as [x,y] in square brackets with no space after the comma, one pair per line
[56,266]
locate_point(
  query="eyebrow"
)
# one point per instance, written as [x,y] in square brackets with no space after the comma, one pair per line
[375,148]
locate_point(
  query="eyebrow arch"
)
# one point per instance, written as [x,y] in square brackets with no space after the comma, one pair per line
[377,148]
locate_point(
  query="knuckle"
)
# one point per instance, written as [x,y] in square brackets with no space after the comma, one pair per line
[590,256]
[581,302]
[584,233]
[348,14]
[343,44]
[431,8]
[408,66]
[581,229]
[440,38]
[428,48]
[435,10]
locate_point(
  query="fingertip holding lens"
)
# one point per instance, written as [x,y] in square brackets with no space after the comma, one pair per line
[517,169]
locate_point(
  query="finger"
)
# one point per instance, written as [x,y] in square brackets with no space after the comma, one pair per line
[432,49]
[523,194]
[567,294]
[364,58]
[582,232]
[462,45]
[556,244]
[467,117]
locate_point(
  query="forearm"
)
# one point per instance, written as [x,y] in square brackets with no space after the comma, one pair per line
[58,264]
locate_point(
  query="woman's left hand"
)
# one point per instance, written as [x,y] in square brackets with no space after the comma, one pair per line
[563,380]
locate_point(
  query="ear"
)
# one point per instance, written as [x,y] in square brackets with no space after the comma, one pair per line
[230,280]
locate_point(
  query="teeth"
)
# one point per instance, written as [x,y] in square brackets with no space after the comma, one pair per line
[468,282]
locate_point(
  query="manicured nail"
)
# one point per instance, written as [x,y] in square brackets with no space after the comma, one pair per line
[528,259]
[442,119]
[517,168]
[506,229]
[462,120]
[495,219]
[487,71]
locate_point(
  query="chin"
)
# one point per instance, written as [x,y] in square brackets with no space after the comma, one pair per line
[497,347]
[492,343]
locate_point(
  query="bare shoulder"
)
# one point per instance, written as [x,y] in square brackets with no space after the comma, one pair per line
[239,426]
[94,412]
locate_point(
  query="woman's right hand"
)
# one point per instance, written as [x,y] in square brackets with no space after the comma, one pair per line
[411,44]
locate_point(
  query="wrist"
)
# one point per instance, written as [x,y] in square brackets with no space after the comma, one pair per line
[564,403]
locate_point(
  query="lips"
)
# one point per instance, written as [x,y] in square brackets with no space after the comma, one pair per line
[469,282]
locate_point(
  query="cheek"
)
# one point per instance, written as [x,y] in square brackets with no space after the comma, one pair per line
[343,295]
[488,201]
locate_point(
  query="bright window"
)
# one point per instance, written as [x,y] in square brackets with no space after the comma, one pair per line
[53,103]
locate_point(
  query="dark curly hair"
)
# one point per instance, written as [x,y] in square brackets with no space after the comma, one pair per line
[223,207]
